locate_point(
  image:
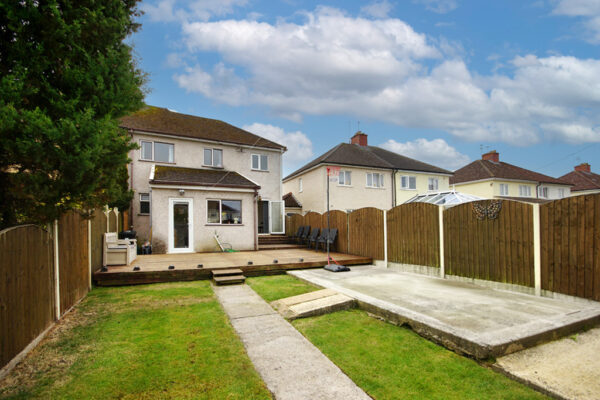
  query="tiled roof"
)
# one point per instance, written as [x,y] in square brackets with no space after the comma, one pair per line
[368,156]
[290,201]
[167,175]
[485,169]
[582,180]
[163,121]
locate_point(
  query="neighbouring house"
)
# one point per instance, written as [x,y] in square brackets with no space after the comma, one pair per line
[195,177]
[584,181]
[491,178]
[369,176]
[292,205]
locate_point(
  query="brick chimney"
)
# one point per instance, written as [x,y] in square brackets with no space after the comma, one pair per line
[492,156]
[359,138]
[585,167]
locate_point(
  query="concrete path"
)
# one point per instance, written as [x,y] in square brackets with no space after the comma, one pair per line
[290,365]
[568,368]
[473,319]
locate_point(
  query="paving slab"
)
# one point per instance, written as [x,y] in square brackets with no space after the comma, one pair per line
[291,366]
[567,368]
[311,304]
[472,319]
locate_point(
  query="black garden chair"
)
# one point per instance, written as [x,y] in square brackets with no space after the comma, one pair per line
[314,233]
[330,238]
[324,234]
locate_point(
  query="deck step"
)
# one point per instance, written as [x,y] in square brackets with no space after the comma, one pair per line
[226,272]
[229,280]
[280,246]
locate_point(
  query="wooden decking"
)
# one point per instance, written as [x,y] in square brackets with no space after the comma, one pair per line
[194,266]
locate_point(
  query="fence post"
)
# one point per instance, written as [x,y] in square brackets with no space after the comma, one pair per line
[441,233]
[56,272]
[385,235]
[89,224]
[537,250]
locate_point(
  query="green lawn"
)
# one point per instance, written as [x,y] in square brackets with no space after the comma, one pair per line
[391,362]
[143,342]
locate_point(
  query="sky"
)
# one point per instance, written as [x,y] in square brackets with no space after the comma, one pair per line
[441,81]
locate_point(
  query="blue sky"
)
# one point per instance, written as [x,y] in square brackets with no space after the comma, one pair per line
[436,80]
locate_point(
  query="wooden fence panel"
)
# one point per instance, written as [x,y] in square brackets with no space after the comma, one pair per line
[73,259]
[98,222]
[26,287]
[498,249]
[314,219]
[570,246]
[338,220]
[113,221]
[365,227]
[413,234]
[293,222]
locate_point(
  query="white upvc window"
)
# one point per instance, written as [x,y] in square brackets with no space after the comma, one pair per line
[408,182]
[374,180]
[145,203]
[300,185]
[561,193]
[345,178]
[503,189]
[524,191]
[157,151]
[224,212]
[213,158]
[433,184]
[260,162]
[543,192]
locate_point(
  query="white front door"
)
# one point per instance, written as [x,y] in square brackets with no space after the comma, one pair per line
[181,225]
[277,219]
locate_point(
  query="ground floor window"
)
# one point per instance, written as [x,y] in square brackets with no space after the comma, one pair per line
[224,211]
[144,203]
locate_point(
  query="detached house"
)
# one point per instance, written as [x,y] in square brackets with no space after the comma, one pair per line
[369,177]
[584,181]
[490,178]
[195,178]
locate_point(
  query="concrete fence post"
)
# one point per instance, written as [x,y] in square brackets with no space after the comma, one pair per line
[441,233]
[537,250]
[385,241]
[56,272]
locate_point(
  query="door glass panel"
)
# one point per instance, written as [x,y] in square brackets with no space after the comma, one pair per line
[263,217]
[181,234]
[277,216]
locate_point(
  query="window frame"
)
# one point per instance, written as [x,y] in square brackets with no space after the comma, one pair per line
[379,180]
[347,174]
[212,157]
[260,162]
[300,188]
[431,180]
[408,178]
[145,201]
[153,151]
[220,223]
[526,189]
[543,192]
[504,192]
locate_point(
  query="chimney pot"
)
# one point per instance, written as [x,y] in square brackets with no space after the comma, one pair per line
[359,138]
[492,156]
[585,167]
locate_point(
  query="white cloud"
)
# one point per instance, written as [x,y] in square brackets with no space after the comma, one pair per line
[589,10]
[299,146]
[436,152]
[379,9]
[174,10]
[438,6]
[334,64]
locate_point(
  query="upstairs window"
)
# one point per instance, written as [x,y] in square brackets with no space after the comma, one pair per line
[157,151]
[300,184]
[408,182]
[260,162]
[561,193]
[503,189]
[433,184]
[524,191]
[543,192]
[374,180]
[345,178]
[213,158]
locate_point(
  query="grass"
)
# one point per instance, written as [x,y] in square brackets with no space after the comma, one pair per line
[277,287]
[391,362]
[144,342]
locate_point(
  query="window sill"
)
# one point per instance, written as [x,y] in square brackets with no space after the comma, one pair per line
[259,170]
[223,224]
[212,167]
[345,186]
[372,187]
[412,190]
[143,215]
[157,162]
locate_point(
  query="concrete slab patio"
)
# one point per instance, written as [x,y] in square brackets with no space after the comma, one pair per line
[291,366]
[465,317]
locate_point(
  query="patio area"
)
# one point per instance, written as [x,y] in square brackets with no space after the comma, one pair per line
[154,268]
[465,317]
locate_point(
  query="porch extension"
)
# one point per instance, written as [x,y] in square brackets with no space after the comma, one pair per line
[154,268]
